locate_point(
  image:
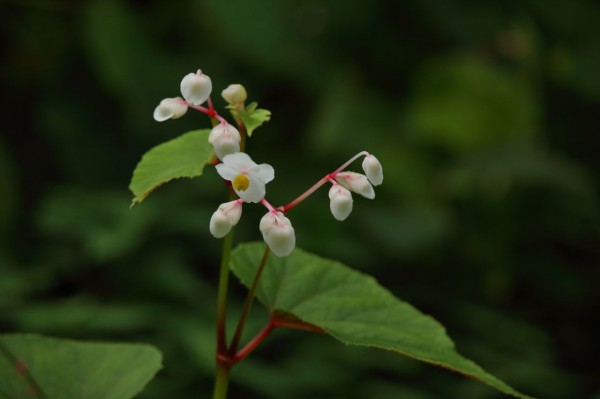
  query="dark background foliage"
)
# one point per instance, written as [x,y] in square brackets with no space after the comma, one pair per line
[484,114]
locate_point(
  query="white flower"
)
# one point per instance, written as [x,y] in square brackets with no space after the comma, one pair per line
[247,178]
[278,233]
[225,139]
[196,87]
[357,183]
[373,170]
[341,202]
[225,217]
[234,94]
[170,108]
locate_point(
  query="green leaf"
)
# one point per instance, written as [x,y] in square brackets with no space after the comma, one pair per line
[351,307]
[251,116]
[184,156]
[36,366]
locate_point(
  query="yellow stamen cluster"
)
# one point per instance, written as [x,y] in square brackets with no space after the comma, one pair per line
[241,182]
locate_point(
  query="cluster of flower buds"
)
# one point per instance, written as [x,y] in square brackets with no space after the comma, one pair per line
[249,179]
[344,182]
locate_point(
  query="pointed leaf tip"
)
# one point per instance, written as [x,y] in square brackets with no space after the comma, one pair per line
[353,308]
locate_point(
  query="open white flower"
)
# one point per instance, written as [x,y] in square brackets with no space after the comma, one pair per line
[196,87]
[373,170]
[356,182]
[341,202]
[225,217]
[225,139]
[247,178]
[170,108]
[278,233]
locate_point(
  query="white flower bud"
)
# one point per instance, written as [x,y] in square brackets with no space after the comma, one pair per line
[233,210]
[170,108]
[196,87]
[220,225]
[234,94]
[373,170]
[357,183]
[225,217]
[278,233]
[341,202]
[225,139]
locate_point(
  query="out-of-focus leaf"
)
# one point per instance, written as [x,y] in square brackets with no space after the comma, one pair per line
[353,308]
[37,366]
[101,224]
[464,103]
[82,314]
[8,192]
[184,156]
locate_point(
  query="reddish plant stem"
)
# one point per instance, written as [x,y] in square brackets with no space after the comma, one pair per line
[248,304]
[210,112]
[296,325]
[254,343]
[317,185]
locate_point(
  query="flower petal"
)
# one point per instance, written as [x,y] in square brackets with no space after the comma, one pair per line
[264,172]
[226,171]
[239,160]
[373,170]
[255,191]
[220,225]
[225,146]
[162,112]
[341,202]
[278,233]
[196,87]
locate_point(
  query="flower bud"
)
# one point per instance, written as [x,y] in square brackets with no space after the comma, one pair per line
[170,108]
[196,87]
[373,170]
[220,225]
[234,94]
[357,183]
[341,202]
[278,233]
[225,139]
[225,217]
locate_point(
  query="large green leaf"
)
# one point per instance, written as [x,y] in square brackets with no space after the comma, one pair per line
[353,308]
[184,156]
[36,366]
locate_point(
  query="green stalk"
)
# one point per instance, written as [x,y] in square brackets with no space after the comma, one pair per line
[222,294]
[221,382]
[222,374]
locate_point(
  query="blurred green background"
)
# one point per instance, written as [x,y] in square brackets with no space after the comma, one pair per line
[485,116]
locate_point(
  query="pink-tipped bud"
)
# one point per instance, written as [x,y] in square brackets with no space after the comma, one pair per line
[341,202]
[278,233]
[225,139]
[373,170]
[225,217]
[170,108]
[357,183]
[196,87]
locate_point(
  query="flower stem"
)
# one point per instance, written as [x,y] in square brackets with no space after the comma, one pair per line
[253,344]
[318,184]
[221,381]
[222,293]
[248,304]
[222,374]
